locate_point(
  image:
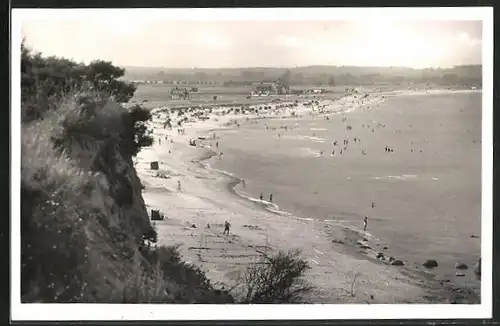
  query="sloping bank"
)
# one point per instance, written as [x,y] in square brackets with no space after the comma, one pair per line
[83,217]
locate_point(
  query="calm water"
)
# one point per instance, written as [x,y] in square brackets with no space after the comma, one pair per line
[427,203]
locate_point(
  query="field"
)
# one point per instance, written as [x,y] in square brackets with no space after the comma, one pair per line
[159,94]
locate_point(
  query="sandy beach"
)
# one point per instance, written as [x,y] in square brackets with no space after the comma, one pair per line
[344,267]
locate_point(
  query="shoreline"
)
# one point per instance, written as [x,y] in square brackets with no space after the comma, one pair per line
[369,254]
[201,155]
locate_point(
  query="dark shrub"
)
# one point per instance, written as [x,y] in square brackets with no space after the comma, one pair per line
[275,279]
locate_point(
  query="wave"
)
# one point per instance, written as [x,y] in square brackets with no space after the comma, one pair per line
[398,177]
[308,152]
[316,139]
[279,212]
[302,137]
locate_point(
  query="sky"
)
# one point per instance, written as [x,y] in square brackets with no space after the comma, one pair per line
[174,43]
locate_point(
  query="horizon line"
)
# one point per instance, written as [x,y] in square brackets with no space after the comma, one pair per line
[296,67]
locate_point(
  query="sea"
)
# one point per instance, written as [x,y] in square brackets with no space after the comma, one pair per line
[410,164]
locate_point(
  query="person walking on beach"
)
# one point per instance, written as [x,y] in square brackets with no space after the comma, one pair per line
[365,223]
[226,228]
[179,188]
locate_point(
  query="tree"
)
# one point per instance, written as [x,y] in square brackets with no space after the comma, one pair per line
[284,80]
[450,78]
[331,81]
[44,80]
[104,76]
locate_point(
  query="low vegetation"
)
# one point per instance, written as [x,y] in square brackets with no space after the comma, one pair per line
[83,218]
[279,278]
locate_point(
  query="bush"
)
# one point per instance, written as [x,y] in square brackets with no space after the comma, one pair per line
[188,283]
[138,130]
[275,279]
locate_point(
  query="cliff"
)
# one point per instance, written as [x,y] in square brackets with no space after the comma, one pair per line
[83,217]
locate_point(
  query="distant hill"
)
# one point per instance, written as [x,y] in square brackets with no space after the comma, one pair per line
[464,75]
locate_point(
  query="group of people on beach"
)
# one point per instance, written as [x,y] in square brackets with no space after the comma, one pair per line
[336,146]
[270,197]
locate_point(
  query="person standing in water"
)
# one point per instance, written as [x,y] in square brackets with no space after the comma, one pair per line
[179,188]
[226,228]
[261,196]
[365,223]
[271,198]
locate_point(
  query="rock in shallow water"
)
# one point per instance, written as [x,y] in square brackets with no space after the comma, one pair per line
[431,263]
[461,266]
[397,262]
[364,246]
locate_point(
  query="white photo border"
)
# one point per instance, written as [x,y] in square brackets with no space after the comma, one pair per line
[104,312]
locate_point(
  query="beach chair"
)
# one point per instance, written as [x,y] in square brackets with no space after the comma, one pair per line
[156,215]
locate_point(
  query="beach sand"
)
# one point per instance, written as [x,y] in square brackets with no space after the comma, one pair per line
[343,264]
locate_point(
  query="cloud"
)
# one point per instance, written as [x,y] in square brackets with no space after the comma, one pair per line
[209,39]
[178,43]
[289,41]
[465,39]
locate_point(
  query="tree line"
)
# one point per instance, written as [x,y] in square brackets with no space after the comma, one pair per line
[461,75]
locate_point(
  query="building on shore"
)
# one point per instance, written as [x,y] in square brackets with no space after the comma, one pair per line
[179,93]
[268,88]
[265,89]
